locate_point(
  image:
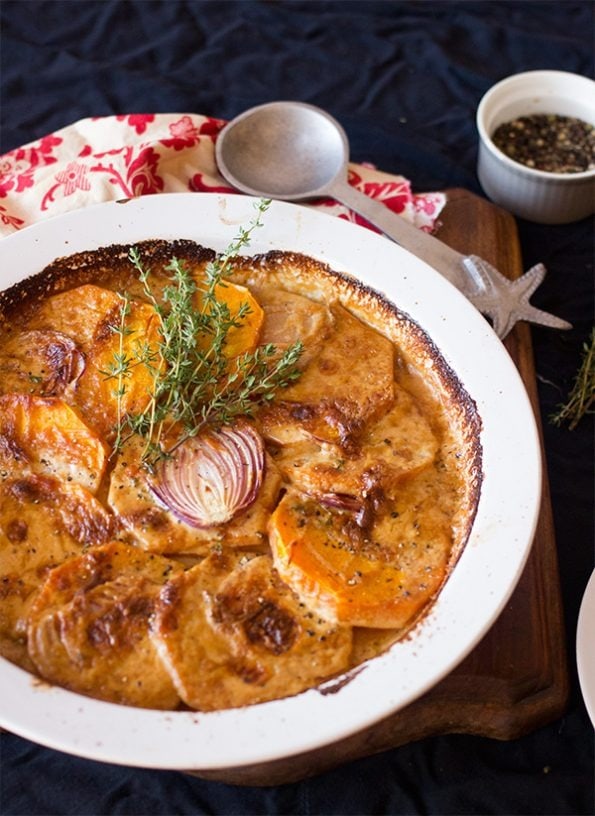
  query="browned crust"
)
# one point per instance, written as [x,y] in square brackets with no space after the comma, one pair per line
[97,265]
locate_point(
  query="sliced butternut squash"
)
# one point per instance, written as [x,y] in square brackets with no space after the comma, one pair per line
[89,314]
[45,435]
[245,336]
[378,577]
[96,393]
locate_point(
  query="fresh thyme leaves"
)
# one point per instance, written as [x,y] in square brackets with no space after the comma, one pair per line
[191,380]
[581,400]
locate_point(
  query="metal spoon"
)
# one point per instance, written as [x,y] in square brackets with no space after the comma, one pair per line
[294,151]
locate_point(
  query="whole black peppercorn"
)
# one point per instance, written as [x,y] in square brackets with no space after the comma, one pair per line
[556,144]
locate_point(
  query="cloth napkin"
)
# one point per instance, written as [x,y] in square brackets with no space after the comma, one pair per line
[114,157]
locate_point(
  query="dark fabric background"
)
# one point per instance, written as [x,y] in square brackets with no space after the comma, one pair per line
[404,78]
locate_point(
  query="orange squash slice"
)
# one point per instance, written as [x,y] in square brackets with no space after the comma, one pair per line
[244,337]
[96,390]
[378,578]
[45,435]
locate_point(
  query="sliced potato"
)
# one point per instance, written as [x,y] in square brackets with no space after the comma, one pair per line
[43,522]
[289,318]
[89,626]
[158,530]
[232,633]
[399,445]
[45,435]
[347,385]
[378,577]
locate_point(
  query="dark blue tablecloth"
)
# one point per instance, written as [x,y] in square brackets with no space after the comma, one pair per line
[404,78]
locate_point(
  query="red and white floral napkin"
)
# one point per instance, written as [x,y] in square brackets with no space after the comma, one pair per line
[114,157]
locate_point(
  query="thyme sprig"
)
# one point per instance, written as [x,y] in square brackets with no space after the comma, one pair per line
[120,367]
[193,382]
[581,399]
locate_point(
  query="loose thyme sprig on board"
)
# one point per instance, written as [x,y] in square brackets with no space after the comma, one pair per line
[581,400]
[194,383]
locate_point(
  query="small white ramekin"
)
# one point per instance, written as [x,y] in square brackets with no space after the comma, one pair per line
[536,195]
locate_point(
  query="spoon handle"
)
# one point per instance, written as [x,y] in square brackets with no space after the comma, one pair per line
[504,301]
[445,260]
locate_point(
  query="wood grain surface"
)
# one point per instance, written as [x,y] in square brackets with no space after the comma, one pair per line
[516,679]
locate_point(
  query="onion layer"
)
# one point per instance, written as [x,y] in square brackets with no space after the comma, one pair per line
[361,509]
[342,501]
[211,478]
[66,363]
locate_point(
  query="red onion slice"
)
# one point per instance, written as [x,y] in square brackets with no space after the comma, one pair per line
[211,478]
[342,501]
[65,360]
[51,359]
[361,509]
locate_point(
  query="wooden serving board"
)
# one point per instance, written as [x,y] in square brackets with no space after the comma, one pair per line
[516,679]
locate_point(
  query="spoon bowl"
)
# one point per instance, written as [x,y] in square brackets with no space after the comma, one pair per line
[286,150]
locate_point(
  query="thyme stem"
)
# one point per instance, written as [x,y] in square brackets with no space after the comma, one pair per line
[581,400]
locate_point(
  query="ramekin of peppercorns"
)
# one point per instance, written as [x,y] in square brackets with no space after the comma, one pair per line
[537,146]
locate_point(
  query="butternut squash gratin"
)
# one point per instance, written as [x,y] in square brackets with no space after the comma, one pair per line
[223,479]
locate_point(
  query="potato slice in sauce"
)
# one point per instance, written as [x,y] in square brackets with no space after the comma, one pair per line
[89,626]
[43,522]
[289,318]
[399,445]
[84,313]
[347,385]
[232,633]
[45,435]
